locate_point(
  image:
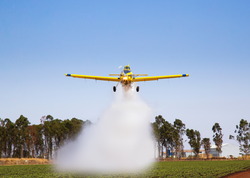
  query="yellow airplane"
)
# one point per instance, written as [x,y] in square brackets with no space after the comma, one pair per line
[126,78]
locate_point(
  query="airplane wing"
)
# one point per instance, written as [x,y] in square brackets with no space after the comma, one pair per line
[142,79]
[114,79]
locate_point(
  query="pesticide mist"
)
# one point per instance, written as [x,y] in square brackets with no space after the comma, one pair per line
[121,141]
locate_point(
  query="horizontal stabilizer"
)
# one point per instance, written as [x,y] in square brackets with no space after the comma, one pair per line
[139,75]
[114,74]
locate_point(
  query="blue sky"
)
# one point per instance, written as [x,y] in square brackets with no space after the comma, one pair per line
[40,41]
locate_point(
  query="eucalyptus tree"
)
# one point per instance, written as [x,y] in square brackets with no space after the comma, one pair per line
[21,133]
[205,142]
[33,139]
[179,131]
[3,138]
[59,132]
[243,136]
[217,137]
[155,135]
[2,130]
[159,121]
[48,135]
[20,139]
[167,134]
[10,135]
[72,128]
[39,141]
[68,129]
[194,140]
[77,126]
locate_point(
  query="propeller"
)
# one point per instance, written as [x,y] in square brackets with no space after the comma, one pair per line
[120,67]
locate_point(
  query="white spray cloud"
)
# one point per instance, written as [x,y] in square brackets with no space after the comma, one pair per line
[121,141]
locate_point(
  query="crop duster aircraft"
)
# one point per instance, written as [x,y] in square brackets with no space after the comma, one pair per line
[127,78]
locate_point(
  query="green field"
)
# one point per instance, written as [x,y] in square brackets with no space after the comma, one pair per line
[160,169]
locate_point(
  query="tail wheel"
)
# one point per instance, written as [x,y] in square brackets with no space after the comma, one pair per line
[114,88]
[137,89]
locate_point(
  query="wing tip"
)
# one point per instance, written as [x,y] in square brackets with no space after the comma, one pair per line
[185,75]
[67,74]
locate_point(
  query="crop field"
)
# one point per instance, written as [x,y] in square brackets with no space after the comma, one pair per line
[160,169]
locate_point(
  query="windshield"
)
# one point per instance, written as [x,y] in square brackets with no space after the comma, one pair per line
[126,71]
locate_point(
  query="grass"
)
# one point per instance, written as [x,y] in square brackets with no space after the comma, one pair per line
[160,169]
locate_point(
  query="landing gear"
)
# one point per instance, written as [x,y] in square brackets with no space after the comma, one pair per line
[137,88]
[114,88]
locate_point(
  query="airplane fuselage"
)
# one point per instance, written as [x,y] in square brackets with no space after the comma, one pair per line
[127,78]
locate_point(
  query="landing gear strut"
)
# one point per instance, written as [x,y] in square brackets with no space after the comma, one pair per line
[137,88]
[114,87]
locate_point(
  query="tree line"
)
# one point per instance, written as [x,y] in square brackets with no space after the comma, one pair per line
[169,136]
[19,139]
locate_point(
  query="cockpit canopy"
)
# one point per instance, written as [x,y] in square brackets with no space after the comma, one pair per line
[127,68]
[126,71]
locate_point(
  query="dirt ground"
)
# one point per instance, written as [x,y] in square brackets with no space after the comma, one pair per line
[245,174]
[23,161]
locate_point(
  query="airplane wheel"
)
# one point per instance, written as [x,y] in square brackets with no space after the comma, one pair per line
[137,89]
[114,88]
